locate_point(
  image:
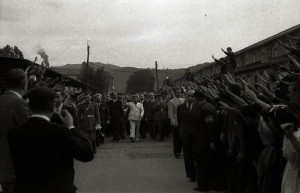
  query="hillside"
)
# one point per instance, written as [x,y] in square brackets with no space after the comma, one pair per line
[121,74]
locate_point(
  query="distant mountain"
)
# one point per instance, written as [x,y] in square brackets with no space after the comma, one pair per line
[122,74]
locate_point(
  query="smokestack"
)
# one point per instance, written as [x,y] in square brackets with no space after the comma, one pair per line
[44,56]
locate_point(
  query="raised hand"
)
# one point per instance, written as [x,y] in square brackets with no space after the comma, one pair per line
[250,95]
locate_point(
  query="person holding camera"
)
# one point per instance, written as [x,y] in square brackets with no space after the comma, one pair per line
[43,152]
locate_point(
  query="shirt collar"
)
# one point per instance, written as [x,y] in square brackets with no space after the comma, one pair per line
[16,93]
[41,116]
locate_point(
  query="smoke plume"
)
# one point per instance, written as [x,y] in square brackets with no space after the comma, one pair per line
[44,56]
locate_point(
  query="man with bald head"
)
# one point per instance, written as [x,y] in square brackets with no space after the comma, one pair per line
[13,113]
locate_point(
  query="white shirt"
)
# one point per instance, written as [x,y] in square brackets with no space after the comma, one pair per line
[16,93]
[41,116]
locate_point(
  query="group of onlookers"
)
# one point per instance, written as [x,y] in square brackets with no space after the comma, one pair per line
[240,137]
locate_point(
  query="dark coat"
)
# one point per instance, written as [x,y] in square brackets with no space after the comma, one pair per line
[149,110]
[115,110]
[161,110]
[43,156]
[13,112]
[104,113]
[89,116]
[187,120]
[207,122]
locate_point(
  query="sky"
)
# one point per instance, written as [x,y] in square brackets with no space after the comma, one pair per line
[136,33]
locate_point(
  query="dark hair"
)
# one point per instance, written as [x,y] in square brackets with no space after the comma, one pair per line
[41,100]
[199,95]
[15,78]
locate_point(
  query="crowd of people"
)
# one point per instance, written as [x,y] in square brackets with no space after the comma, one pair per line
[238,137]
[233,136]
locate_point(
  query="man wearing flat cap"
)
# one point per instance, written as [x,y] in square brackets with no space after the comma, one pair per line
[43,152]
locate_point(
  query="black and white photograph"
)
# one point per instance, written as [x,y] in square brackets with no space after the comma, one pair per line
[149,96]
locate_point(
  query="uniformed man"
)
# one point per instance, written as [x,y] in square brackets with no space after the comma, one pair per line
[104,117]
[204,140]
[89,119]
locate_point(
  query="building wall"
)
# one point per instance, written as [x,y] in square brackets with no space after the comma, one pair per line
[260,57]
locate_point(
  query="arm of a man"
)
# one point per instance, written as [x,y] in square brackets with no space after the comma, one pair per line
[171,113]
[75,144]
[21,112]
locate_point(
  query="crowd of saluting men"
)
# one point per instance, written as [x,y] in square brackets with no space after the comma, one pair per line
[233,136]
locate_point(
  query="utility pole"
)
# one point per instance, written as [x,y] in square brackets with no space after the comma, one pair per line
[87,62]
[156,76]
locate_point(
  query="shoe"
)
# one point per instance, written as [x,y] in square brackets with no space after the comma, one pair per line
[131,139]
[160,139]
[136,139]
[118,139]
[192,179]
[114,139]
[200,190]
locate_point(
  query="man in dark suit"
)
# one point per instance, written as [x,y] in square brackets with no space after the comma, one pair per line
[143,126]
[186,118]
[149,116]
[204,139]
[116,115]
[13,113]
[43,152]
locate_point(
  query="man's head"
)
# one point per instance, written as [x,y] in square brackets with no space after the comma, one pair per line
[87,98]
[151,95]
[177,92]
[134,98]
[60,96]
[142,97]
[16,79]
[294,91]
[229,50]
[199,95]
[113,95]
[98,98]
[190,96]
[41,100]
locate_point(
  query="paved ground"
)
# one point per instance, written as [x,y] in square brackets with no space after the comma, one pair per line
[141,167]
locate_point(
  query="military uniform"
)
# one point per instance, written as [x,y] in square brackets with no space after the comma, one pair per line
[89,117]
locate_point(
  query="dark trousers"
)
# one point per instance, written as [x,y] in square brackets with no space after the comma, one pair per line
[115,128]
[93,137]
[202,157]
[99,138]
[143,128]
[160,129]
[152,129]
[177,145]
[8,187]
[189,160]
